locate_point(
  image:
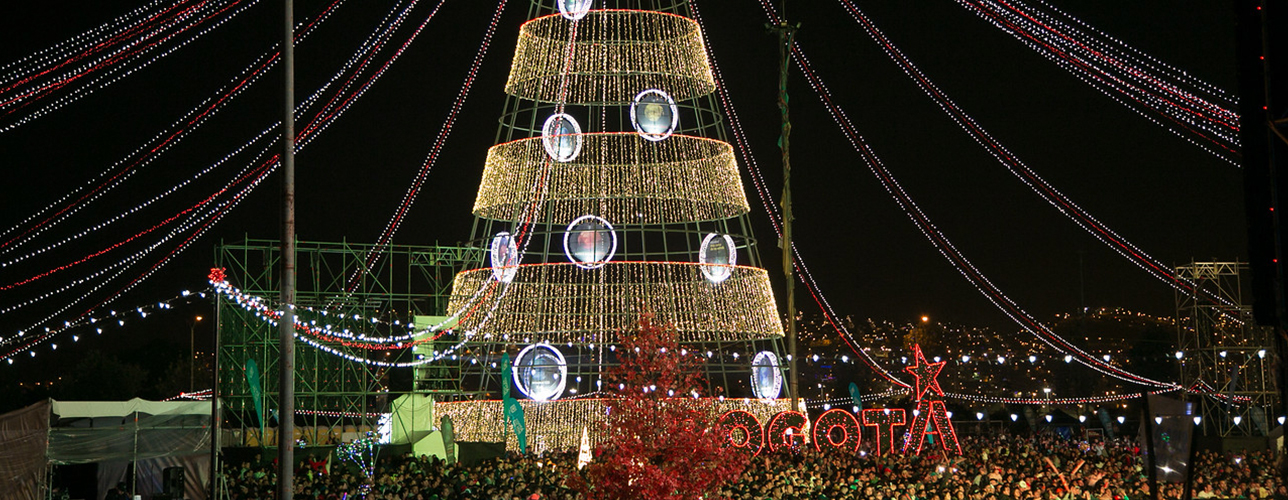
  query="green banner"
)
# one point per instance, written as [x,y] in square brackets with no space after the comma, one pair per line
[449,439]
[514,417]
[855,397]
[505,376]
[256,394]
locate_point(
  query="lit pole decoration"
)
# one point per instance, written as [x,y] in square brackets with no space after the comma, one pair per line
[930,410]
[362,453]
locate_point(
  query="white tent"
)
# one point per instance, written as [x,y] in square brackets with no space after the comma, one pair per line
[152,435]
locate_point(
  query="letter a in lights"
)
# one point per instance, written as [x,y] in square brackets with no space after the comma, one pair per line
[931,417]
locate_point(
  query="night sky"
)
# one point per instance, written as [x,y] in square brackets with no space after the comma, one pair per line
[1171,199]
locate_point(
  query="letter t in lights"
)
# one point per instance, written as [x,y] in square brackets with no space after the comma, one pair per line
[884,419]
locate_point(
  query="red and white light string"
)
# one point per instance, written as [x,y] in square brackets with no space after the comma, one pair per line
[762,191]
[207,219]
[395,222]
[945,247]
[151,150]
[110,68]
[43,59]
[1123,74]
[1025,174]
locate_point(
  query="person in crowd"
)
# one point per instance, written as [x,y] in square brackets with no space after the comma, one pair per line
[999,467]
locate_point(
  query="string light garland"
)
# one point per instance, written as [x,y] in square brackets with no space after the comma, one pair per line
[771,209]
[1025,174]
[1124,74]
[99,324]
[619,176]
[250,178]
[559,302]
[158,145]
[306,319]
[557,425]
[945,247]
[202,395]
[662,51]
[108,68]
[41,60]
[418,181]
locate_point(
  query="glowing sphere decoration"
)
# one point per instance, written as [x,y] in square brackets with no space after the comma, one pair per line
[590,242]
[766,379]
[717,255]
[505,257]
[561,136]
[574,9]
[654,115]
[540,372]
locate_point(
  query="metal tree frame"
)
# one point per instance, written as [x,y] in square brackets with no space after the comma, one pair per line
[1224,351]
[407,281]
[661,196]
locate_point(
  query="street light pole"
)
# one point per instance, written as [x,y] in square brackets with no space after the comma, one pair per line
[192,355]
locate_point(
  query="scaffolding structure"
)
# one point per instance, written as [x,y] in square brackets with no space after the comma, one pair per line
[337,287]
[1226,359]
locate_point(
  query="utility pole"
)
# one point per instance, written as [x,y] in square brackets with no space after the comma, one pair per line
[192,355]
[286,324]
[786,34]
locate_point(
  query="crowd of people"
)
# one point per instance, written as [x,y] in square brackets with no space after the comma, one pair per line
[999,467]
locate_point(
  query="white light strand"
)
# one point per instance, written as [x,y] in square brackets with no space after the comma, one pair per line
[395,222]
[211,217]
[155,147]
[762,192]
[38,61]
[1030,178]
[1205,124]
[115,73]
[941,242]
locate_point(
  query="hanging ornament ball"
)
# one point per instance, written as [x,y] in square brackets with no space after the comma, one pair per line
[505,257]
[717,257]
[540,372]
[561,136]
[574,9]
[590,242]
[654,115]
[766,379]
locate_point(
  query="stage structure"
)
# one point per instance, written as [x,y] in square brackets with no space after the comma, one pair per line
[1223,351]
[330,391]
[611,192]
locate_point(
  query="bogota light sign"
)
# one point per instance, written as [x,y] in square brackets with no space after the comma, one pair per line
[840,430]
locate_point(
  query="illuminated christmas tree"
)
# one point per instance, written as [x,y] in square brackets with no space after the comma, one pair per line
[611,193]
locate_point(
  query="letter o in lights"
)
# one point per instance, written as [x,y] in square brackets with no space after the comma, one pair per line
[851,434]
[753,435]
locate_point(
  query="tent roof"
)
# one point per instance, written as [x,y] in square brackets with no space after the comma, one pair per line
[90,409]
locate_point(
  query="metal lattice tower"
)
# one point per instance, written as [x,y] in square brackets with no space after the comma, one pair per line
[1225,352]
[408,281]
[648,202]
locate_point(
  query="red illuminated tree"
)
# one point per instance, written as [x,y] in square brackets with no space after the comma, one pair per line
[662,441]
